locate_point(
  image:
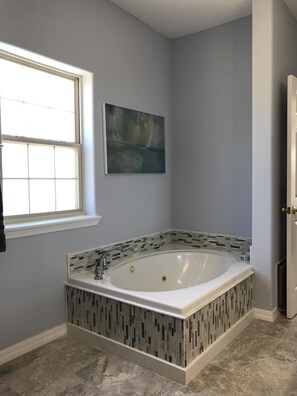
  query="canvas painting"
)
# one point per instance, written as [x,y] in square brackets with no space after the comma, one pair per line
[134,141]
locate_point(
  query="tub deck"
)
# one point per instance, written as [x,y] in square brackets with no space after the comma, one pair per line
[180,303]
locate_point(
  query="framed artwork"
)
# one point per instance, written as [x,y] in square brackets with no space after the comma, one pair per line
[134,141]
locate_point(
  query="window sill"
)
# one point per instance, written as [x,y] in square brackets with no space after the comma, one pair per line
[19,230]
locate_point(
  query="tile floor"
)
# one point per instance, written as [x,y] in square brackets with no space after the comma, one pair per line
[261,361]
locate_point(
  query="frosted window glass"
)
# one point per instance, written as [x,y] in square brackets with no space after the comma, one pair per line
[41,161]
[63,125]
[15,197]
[66,193]
[42,196]
[37,87]
[38,105]
[65,89]
[12,117]
[66,162]
[37,122]
[11,80]
[45,123]
[14,160]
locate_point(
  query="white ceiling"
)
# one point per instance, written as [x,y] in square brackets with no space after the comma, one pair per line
[176,18]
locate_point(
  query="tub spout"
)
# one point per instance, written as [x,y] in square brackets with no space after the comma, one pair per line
[101,264]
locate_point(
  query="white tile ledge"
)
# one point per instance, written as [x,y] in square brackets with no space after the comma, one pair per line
[19,230]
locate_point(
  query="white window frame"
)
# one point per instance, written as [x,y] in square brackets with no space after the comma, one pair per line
[77,144]
[87,217]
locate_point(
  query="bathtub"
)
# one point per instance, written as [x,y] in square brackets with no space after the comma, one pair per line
[175,282]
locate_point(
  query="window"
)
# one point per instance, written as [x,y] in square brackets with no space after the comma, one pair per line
[40,127]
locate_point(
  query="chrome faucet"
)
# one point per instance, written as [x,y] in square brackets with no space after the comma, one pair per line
[101,264]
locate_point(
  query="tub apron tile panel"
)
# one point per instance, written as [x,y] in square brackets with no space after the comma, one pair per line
[151,332]
[208,324]
[174,340]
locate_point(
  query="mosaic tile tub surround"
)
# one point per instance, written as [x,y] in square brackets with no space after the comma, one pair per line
[86,259]
[178,341]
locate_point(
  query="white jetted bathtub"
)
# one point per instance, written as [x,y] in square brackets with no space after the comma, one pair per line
[173,282]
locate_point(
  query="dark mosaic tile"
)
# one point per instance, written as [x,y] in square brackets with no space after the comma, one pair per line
[147,330]
[155,241]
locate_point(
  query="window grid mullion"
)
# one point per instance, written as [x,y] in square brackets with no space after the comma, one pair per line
[55,180]
[45,142]
[26,141]
[28,170]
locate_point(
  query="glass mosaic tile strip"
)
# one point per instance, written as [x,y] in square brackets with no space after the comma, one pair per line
[174,340]
[211,241]
[87,258]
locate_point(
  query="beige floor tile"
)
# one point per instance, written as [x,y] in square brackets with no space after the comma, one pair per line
[220,381]
[71,386]
[261,361]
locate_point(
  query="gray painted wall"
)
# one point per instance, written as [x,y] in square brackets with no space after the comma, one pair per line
[131,66]
[212,129]
[274,58]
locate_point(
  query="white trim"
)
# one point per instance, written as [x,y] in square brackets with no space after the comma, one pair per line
[32,343]
[19,230]
[12,50]
[104,137]
[268,316]
[169,370]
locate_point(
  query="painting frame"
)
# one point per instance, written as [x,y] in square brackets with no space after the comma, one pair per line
[134,141]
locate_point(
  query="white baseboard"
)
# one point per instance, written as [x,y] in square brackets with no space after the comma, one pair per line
[104,343]
[169,370]
[32,343]
[269,316]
